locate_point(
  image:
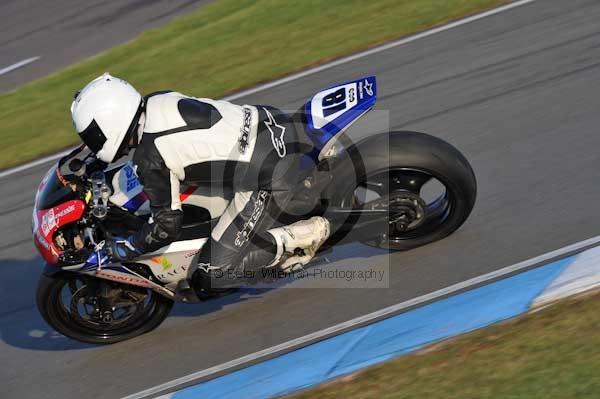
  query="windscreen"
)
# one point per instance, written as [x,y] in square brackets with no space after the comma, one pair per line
[53,192]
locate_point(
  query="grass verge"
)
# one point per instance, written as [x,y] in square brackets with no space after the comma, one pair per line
[222,47]
[553,353]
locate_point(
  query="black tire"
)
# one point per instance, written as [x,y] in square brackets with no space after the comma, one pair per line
[50,306]
[407,150]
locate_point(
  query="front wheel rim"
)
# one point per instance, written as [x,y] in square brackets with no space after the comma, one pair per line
[80,308]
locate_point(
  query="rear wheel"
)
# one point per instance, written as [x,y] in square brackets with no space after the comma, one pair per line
[97,311]
[427,187]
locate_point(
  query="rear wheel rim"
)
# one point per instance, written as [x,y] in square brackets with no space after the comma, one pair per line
[413,213]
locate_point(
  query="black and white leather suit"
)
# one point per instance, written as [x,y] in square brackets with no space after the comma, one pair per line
[250,149]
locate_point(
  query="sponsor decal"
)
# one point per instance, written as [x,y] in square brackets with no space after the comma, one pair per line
[49,222]
[245,130]
[64,212]
[277,133]
[190,254]
[175,272]
[164,262]
[243,235]
[205,267]
[51,219]
[117,276]
[369,87]
[132,180]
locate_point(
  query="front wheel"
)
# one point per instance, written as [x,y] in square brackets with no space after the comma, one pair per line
[426,185]
[97,311]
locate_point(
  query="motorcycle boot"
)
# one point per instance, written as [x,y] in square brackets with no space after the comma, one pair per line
[298,242]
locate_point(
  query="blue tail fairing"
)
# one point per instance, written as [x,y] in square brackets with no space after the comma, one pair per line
[332,110]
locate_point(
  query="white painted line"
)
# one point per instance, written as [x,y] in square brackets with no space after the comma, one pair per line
[33,164]
[379,49]
[18,65]
[340,61]
[382,313]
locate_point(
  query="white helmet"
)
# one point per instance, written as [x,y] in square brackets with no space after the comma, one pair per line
[105,114]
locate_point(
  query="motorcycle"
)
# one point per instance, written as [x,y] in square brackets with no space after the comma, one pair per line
[395,190]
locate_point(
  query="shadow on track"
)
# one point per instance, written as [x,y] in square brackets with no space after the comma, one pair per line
[22,326]
[20,323]
[327,261]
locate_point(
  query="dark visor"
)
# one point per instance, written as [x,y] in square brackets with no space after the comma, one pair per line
[93,137]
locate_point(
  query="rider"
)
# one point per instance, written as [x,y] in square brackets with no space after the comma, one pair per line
[251,149]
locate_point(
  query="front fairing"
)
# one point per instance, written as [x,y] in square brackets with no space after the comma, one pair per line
[56,205]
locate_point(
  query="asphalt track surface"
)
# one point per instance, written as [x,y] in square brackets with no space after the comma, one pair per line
[517,92]
[64,31]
